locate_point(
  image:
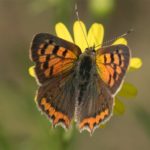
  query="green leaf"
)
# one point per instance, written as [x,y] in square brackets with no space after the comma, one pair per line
[119,107]
[102,126]
[128,91]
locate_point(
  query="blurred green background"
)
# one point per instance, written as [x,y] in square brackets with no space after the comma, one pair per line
[22,127]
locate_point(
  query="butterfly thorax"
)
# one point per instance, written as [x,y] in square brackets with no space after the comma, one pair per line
[86,65]
[85,71]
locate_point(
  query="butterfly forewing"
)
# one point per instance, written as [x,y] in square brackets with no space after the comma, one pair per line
[112,63]
[52,56]
[55,60]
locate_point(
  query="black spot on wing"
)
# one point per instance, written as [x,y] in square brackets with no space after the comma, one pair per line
[112,57]
[51,70]
[45,66]
[55,50]
[48,57]
[105,59]
[120,61]
[115,75]
[109,79]
[65,52]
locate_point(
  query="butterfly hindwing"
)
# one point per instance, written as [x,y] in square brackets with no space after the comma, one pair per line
[57,99]
[112,63]
[52,56]
[55,60]
[96,106]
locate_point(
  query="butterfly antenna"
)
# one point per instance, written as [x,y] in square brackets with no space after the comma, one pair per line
[77,15]
[115,38]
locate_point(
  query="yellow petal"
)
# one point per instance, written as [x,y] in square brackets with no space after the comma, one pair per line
[80,35]
[120,41]
[135,63]
[96,34]
[63,32]
[31,71]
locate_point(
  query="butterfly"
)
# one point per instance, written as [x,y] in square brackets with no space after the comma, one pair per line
[74,85]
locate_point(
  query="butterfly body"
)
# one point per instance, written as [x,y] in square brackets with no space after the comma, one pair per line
[85,71]
[75,85]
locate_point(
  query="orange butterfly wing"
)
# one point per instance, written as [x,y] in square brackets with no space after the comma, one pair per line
[55,60]
[52,56]
[112,64]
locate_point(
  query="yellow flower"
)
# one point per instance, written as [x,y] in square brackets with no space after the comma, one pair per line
[94,36]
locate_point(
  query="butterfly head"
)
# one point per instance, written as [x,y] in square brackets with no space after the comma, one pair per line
[90,51]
